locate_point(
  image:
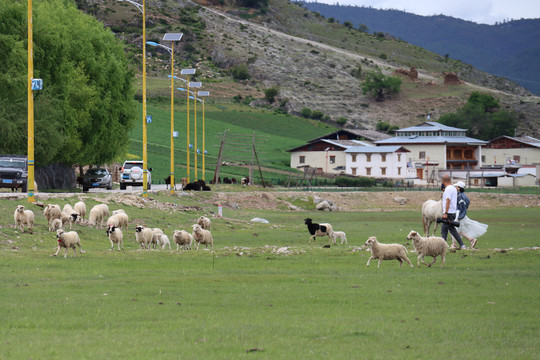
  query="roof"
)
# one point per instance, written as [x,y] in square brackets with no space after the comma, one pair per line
[343,144]
[371,135]
[414,139]
[431,126]
[376,149]
[529,140]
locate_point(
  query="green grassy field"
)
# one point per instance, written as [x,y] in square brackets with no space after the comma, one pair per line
[275,134]
[245,301]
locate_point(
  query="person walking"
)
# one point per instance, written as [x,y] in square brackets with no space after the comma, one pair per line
[449,211]
[468,228]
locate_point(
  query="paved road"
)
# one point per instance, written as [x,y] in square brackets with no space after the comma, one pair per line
[129,190]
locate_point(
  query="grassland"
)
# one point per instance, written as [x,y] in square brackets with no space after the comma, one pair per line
[245,301]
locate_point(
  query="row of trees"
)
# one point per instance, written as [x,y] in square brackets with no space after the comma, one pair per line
[86,109]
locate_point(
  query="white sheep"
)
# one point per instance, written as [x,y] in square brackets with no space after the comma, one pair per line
[55,224]
[97,214]
[204,222]
[66,219]
[119,220]
[52,212]
[341,235]
[182,238]
[24,218]
[163,241]
[143,235]
[68,209]
[428,246]
[115,237]
[156,233]
[105,210]
[118,211]
[387,252]
[68,240]
[80,208]
[201,236]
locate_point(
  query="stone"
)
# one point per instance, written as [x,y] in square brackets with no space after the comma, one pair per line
[401,200]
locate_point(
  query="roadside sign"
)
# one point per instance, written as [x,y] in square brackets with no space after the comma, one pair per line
[203,93]
[37,84]
[187,71]
[148,119]
[197,84]
[175,134]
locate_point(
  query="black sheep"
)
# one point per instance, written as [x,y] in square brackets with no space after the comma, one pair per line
[318,229]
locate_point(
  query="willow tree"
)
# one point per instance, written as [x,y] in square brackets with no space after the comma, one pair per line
[86,109]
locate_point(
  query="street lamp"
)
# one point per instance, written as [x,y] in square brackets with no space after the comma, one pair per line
[142,9]
[187,72]
[203,94]
[195,85]
[30,178]
[172,37]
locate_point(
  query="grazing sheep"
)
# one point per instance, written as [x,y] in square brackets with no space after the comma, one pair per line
[115,236]
[156,233]
[68,209]
[66,219]
[80,208]
[202,236]
[24,218]
[118,211]
[120,220]
[431,210]
[341,235]
[68,240]
[318,230]
[143,235]
[387,252]
[97,214]
[182,238]
[55,224]
[205,223]
[163,241]
[105,209]
[52,212]
[428,246]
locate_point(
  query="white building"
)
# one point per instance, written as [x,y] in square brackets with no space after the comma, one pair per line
[504,150]
[378,161]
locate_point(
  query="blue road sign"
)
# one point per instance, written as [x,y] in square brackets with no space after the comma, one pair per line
[148,119]
[37,84]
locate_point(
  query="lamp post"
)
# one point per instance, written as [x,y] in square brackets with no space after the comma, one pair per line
[172,37]
[142,9]
[187,72]
[195,157]
[203,94]
[30,178]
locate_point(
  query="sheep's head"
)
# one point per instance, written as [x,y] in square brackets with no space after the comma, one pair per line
[196,228]
[413,234]
[74,216]
[20,208]
[110,229]
[59,233]
[138,228]
[307,221]
[372,240]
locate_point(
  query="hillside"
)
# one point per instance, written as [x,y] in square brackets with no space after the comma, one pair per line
[508,49]
[314,63]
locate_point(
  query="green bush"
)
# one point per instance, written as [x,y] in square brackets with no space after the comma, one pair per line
[306,112]
[271,93]
[240,72]
[342,121]
[317,115]
[344,181]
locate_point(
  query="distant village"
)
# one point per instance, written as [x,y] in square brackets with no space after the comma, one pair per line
[421,154]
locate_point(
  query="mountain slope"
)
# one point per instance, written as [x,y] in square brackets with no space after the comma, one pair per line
[507,49]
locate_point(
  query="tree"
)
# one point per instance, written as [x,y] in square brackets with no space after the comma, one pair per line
[342,121]
[86,110]
[240,72]
[317,115]
[348,24]
[380,85]
[306,112]
[271,93]
[481,118]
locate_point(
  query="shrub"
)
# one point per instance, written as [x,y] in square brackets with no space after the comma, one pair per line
[237,98]
[344,181]
[342,121]
[240,72]
[348,24]
[306,112]
[382,126]
[317,115]
[271,93]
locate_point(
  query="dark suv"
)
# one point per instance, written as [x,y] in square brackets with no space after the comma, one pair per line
[96,178]
[14,172]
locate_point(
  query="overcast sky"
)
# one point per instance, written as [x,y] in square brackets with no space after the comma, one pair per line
[480,11]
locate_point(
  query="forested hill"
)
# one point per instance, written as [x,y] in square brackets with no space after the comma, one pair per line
[510,49]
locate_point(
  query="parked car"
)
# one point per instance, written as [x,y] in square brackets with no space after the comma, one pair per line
[131,173]
[96,178]
[14,172]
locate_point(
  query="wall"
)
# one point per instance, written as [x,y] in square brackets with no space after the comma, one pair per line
[498,156]
[317,159]
[391,164]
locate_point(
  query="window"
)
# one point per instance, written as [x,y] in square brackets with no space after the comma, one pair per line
[383,157]
[353,156]
[399,170]
[368,157]
[422,155]
[398,157]
[383,171]
[302,159]
[368,171]
[353,171]
[516,158]
[483,158]
[332,159]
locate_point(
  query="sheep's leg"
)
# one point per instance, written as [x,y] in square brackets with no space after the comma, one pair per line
[443,256]
[379,264]
[400,262]
[408,261]
[420,257]
[65,254]
[57,251]
[369,260]
[435,228]
[433,262]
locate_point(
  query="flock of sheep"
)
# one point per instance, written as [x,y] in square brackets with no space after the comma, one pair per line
[58,220]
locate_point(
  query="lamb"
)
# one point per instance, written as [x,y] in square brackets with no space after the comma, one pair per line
[80,209]
[24,218]
[115,236]
[143,235]
[318,229]
[55,224]
[97,214]
[52,212]
[431,210]
[70,215]
[430,246]
[205,223]
[163,241]
[182,238]
[341,235]
[156,233]
[387,252]
[202,236]
[68,240]
[65,218]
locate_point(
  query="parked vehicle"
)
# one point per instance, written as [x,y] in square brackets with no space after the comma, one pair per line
[96,178]
[131,174]
[14,172]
